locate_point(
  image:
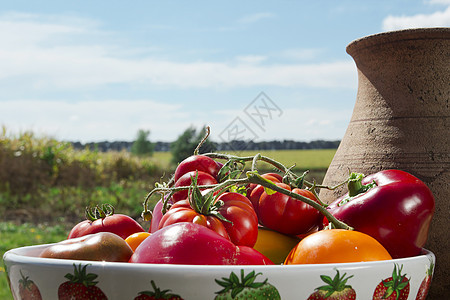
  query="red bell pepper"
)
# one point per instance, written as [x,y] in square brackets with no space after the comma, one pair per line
[392,206]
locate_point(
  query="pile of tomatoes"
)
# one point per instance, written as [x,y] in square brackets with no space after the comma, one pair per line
[214,213]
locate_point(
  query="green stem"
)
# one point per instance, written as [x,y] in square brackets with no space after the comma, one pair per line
[227,183]
[274,163]
[255,160]
[197,149]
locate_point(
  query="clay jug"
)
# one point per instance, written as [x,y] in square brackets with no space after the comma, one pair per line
[401,120]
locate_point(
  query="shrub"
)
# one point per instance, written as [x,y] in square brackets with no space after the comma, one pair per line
[28,163]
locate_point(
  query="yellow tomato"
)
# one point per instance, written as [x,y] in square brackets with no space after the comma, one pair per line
[136,239]
[274,245]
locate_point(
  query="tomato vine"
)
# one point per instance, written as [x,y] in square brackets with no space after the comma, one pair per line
[251,177]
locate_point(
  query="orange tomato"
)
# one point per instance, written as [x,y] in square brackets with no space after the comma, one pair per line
[136,239]
[336,246]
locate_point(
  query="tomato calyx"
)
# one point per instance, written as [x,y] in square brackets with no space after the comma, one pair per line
[295,181]
[205,204]
[232,169]
[356,187]
[99,212]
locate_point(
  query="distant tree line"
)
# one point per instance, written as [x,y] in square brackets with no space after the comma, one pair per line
[223,146]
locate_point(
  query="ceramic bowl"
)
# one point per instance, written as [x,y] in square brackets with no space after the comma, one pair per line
[126,280]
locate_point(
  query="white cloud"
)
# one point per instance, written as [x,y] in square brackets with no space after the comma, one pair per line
[437,19]
[294,123]
[120,119]
[251,59]
[256,17]
[302,54]
[39,55]
[444,2]
[47,54]
[94,120]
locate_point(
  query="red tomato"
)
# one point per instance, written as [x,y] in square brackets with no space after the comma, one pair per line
[157,215]
[250,256]
[243,229]
[197,163]
[193,244]
[255,192]
[288,215]
[235,207]
[186,180]
[274,177]
[183,212]
[122,225]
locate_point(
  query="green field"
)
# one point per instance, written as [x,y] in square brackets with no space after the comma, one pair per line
[318,159]
[303,159]
[14,235]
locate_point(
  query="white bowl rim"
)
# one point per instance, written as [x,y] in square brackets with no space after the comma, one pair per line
[18,255]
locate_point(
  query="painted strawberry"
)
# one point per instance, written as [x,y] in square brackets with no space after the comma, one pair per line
[426,282]
[245,288]
[336,288]
[393,288]
[28,289]
[81,285]
[157,294]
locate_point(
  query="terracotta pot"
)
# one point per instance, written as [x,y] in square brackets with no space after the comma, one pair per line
[401,120]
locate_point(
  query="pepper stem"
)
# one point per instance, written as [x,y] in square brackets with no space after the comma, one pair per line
[355,186]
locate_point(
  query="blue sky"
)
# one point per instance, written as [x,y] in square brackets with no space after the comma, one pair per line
[261,70]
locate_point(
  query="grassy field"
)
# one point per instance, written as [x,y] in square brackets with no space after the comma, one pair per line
[318,159]
[303,159]
[14,235]
[47,214]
